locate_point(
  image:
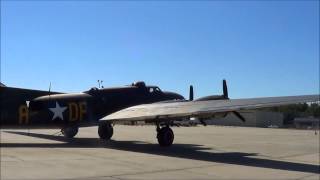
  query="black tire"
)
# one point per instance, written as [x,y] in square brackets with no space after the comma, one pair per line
[105,130]
[165,136]
[70,132]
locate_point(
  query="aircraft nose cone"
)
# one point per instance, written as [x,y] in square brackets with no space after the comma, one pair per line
[174,96]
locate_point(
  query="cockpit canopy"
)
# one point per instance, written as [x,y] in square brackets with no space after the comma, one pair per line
[150,89]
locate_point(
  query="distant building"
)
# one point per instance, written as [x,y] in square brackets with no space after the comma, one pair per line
[253,119]
[306,123]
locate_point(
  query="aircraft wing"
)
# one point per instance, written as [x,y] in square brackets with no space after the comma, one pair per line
[178,110]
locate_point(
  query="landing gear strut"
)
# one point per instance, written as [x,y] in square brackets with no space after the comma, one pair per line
[70,132]
[105,130]
[165,136]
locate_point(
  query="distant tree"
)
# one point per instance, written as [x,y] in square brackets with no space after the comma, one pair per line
[314,110]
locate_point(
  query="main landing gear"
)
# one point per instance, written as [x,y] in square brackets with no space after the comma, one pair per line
[70,132]
[165,135]
[105,130]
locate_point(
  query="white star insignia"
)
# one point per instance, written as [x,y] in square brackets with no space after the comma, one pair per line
[58,111]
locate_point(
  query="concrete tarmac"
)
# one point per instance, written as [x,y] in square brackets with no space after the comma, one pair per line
[210,152]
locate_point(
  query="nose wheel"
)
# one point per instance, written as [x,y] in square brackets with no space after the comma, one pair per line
[165,136]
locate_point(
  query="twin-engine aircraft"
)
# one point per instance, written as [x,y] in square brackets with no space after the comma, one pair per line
[25,108]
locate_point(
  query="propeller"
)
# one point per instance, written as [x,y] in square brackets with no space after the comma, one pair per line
[225,89]
[224,96]
[239,116]
[191,93]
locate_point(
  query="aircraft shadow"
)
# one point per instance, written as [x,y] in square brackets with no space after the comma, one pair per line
[186,151]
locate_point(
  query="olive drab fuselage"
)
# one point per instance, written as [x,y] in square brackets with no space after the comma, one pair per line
[32,108]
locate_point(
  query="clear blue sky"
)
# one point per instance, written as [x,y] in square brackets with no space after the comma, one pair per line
[262,48]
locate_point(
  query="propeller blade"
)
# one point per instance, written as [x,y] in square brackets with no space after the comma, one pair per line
[239,116]
[191,93]
[225,89]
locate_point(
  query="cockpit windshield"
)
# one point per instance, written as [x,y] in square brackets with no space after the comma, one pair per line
[154,89]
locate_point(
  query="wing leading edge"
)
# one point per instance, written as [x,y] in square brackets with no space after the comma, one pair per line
[178,110]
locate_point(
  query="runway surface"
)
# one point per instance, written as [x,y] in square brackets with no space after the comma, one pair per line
[210,152]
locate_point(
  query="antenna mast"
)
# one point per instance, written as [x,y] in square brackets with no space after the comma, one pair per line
[50,90]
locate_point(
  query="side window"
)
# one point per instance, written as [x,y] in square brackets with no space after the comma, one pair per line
[151,90]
